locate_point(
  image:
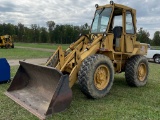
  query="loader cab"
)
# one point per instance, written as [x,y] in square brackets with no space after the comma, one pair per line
[123,28]
[118,20]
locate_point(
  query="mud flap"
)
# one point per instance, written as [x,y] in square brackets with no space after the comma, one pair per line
[41,90]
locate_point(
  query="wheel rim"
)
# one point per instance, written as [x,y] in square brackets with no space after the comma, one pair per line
[101,77]
[142,72]
[157,59]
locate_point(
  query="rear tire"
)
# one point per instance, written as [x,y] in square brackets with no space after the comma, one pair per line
[96,76]
[136,71]
[157,59]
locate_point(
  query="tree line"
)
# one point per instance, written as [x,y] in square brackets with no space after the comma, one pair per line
[143,37]
[60,34]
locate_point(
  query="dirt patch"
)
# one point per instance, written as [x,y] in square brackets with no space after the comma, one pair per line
[34,61]
[38,61]
[40,49]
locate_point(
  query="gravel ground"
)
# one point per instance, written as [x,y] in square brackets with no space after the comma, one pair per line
[34,61]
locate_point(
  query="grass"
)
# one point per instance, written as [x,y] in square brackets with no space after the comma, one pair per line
[155,47]
[42,45]
[18,53]
[122,103]
[24,53]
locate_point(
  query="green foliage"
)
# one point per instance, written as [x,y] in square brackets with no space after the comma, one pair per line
[156,38]
[60,34]
[143,36]
[50,25]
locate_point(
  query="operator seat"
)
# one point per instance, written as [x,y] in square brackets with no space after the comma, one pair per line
[117,31]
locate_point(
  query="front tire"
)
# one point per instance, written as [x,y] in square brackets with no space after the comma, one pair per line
[136,71]
[96,76]
[53,62]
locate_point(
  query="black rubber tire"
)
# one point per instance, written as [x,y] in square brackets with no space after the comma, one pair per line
[6,46]
[53,62]
[86,75]
[12,46]
[131,69]
[155,59]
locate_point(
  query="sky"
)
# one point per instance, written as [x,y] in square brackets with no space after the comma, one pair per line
[76,12]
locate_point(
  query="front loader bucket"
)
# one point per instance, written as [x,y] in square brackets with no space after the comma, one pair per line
[41,90]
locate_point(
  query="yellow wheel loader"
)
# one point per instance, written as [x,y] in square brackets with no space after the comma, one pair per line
[6,41]
[92,60]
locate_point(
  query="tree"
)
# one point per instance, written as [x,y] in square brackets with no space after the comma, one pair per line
[86,26]
[51,25]
[21,31]
[35,33]
[156,38]
[43,35]
[143,36]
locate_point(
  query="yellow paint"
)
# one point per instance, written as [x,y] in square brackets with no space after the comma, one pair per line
[91,44]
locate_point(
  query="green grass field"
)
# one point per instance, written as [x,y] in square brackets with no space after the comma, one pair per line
[122,103]
[42,45]
[19,53]
[24,53]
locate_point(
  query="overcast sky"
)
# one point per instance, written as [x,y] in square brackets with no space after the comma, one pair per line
[75,12]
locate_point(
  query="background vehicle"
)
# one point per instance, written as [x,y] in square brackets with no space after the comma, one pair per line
[109,48]
[153,54]
[6,41]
